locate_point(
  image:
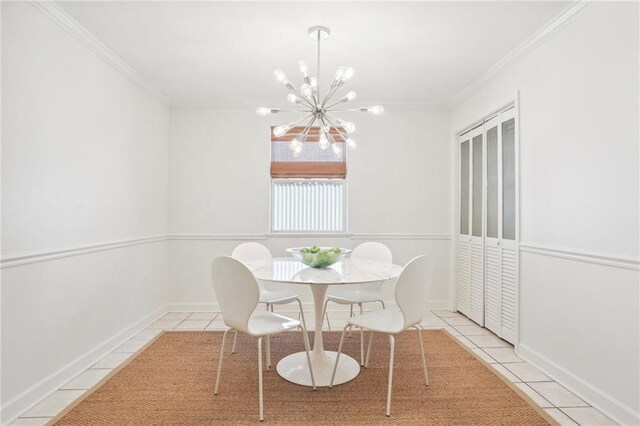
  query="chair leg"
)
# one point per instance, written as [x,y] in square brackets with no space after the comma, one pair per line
[366,363]
[260,377]
[301,315]
[269,309]
[335,366]
[235,336]
[224,336]
[350,316]
[383,307]
[307,349]
[326,314]
[392,345]
[361,341]
[424,358]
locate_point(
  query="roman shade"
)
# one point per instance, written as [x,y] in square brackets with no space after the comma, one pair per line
[312,162]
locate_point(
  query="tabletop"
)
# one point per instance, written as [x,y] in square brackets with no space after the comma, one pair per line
[347,271]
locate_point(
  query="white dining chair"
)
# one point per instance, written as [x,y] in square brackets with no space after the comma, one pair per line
[410,295]
[247,252]
[238,295]
[362,293]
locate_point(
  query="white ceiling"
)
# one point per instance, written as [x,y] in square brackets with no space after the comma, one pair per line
[225,52]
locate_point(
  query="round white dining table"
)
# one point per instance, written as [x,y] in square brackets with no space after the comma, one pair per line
[294,367]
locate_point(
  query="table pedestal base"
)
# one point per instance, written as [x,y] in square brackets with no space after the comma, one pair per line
[295,369]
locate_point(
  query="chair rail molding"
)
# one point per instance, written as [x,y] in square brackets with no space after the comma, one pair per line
[623,262]
[91,42]
[43,256]
[524,48]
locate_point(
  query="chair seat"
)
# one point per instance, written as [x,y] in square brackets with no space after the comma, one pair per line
[262,323]
[385,321]
[348,296]
[277,297]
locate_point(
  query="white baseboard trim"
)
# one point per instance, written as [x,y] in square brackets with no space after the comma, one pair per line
[36,393]
[307,306]
[613,408]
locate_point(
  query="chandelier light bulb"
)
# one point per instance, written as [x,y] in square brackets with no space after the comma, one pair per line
[314,82]
[351,143]
[323,141]
[293,98]
[336,150]
[350,96]
[348,127]
[339,73]
[262,111]
[376,110]
[296,146]
[304,69]
[306,90]
[280,76]
[281,130]
[348,73]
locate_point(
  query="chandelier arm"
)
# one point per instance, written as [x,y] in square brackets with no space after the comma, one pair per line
[333,124]
[330,93]
[293,124]
[300,95]
[336,103]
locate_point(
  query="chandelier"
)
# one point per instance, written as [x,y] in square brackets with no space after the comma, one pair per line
[317,108]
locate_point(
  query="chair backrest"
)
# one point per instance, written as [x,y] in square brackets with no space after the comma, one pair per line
[372,251]
[247,252]
[411,290]
[236,290]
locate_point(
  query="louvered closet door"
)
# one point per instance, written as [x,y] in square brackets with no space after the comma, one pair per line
[464,237]
[492,250]
[509,228]
[476,291]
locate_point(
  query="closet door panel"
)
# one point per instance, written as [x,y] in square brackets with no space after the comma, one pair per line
[464,275]
[492,252]
[464,237]
[477,228]
[509,270]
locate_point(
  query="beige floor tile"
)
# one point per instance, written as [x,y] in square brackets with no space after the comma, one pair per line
[489,341]
[506,373]
[111,361]
[473,330]
[217,326]
[459,320]
[147,334]
[452,330]
[54,404]
[484,356]
[468,343]
[192,325]
[433,322]
[201,316]
[557,395]
[30,421]
[535,396]
[527,372]
[502,354]
[175,316]
[588,416]
[560,417]
[131,346]
[86,380]
[164,324]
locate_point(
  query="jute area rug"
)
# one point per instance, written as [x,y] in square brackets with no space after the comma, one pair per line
[170,382]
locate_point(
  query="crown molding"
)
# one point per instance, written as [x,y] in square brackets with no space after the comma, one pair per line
[73,27]
[524,48]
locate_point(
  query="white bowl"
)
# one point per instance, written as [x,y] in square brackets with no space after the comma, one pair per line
[318,260]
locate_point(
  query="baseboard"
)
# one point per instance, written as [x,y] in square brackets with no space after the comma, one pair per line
[36,393]
[613,408]
[307,306]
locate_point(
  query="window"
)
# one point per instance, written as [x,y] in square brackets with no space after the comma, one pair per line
[308,191]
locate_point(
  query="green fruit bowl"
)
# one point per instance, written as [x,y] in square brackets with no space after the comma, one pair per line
[321,258]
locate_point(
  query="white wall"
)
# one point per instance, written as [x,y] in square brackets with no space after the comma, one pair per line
[579,188]
[219,184]
[84,164]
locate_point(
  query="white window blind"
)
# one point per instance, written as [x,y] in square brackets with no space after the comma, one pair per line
[308,205]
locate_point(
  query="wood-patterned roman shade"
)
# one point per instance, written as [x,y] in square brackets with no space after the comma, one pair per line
[312,162]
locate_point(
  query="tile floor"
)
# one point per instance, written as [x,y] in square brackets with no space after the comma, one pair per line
[556,400]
